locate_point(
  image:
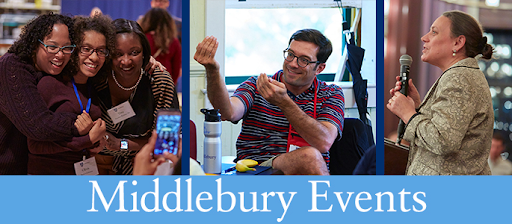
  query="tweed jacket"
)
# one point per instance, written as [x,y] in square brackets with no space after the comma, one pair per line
[452,132]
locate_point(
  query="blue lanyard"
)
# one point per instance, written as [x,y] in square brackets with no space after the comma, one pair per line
[78,97]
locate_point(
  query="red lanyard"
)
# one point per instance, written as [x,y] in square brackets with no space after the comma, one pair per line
[294,139]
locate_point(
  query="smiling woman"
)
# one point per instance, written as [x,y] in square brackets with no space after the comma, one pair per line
[92,55]
[449,132]
[75,95]
[130,98]
[23,113]
[51,58]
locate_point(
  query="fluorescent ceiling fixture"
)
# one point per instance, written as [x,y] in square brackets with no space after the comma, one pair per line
[493,3]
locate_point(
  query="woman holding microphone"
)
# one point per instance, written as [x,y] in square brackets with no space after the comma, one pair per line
[451,130]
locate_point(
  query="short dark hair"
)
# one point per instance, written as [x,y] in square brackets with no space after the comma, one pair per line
[316,37]
[101,24]
[464,24]
[37,29]
[129,26]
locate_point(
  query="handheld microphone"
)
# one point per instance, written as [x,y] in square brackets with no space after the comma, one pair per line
[405,63]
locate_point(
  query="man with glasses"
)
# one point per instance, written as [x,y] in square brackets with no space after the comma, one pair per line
[290,119]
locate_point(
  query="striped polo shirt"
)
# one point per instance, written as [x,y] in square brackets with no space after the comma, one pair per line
[265,128]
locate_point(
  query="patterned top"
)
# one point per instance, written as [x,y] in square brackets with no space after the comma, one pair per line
[452,133]
[171,60]
[265,128]
[153,93]
[58,157]
[23,112]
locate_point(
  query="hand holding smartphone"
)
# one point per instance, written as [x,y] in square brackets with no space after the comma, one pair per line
[168,125]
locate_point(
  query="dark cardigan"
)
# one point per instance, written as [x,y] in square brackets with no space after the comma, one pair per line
[23,113]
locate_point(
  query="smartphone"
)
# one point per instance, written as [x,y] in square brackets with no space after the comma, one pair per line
[168,126]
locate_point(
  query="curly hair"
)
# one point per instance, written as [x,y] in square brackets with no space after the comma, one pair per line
[101,24]
[129,26]
[162,23]
[38,28]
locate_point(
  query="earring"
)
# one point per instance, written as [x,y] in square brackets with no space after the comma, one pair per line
[454,51]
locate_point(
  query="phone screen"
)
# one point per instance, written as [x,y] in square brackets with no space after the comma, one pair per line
[168,129]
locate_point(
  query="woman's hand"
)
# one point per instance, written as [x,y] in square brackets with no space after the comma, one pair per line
[151,66]
[98,130]
[144,164]
[83,123]
[411,92]
[112,143]
[402,106]
[172,157]
[98,148]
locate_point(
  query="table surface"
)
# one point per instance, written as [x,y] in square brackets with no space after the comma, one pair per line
[227,163]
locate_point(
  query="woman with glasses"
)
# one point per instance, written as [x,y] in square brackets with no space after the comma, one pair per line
[44,47]
[73,91]
[130,98]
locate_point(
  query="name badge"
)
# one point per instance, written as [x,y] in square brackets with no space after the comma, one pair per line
[121,112]
[86,167]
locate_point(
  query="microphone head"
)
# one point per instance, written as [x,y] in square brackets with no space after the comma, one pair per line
[406,60]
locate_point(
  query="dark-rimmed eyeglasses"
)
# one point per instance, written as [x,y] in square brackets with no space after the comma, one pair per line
[52,49]
[301,61]
[101,52]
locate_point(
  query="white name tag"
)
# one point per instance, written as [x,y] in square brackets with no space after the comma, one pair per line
[121,112]
[86,167]
[293,147]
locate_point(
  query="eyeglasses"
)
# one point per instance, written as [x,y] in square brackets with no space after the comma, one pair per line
[102,52]
[52,49]
[301,61]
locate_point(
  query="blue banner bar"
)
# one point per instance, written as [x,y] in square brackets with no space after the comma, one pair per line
[248,199]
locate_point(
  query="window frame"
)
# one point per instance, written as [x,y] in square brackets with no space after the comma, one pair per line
[215,25]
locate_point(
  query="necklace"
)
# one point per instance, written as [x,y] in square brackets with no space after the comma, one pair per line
[131,88]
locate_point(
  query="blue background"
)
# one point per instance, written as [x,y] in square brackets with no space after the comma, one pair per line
[127,9]
[58,199]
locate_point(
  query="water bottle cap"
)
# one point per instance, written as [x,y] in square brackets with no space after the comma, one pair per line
[211,115]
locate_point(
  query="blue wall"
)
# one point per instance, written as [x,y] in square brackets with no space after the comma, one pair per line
[128,9]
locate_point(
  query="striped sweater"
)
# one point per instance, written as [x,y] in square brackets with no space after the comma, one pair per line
[265,128]
[153,93]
